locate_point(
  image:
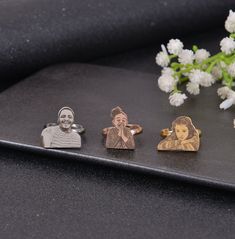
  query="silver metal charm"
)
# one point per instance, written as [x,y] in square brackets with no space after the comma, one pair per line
[64,134]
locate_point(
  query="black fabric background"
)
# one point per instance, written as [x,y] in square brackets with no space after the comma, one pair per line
[36,33]
[53,198]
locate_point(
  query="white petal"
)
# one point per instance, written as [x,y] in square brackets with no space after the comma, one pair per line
[226,104]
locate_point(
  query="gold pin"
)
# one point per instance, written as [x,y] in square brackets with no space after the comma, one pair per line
[120,136]
[182,137]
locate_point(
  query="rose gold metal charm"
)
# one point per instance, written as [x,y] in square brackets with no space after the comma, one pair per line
[121,135]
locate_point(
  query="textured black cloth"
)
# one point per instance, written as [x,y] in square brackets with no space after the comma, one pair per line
[60,199]
[143,59]
[36,33]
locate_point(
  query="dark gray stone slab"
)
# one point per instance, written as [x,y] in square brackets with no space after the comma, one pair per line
[92,91]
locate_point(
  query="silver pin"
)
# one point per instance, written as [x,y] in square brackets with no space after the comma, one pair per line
[64,133]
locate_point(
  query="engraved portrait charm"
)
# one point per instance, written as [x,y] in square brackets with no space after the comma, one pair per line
[120,136]
[183,137]
[64,134]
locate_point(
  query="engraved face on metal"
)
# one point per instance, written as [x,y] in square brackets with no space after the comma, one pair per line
[119,136]
[184,136]
[181,131]
[120,120]
[66,119]
[62,134]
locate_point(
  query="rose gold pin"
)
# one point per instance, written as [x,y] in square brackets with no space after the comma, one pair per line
[120,136]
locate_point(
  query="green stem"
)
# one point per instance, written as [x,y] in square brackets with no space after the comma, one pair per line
[172,56]
[182,80]
[228,80]
[212,58]
[232,35]
[175,90]
[209,69]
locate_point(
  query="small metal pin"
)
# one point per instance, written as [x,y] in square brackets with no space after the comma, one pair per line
[64,133]
[183,136]
[120,136]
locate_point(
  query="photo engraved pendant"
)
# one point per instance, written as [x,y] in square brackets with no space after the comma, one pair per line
[62,134]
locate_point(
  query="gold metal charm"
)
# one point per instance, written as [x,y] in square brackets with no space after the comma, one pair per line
[120,136]
[182,137]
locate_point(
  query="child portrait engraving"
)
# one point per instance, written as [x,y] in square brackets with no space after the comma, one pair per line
[119,136]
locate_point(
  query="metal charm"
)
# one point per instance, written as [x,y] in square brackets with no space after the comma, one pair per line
[64,134]
[120,136]
[183,136]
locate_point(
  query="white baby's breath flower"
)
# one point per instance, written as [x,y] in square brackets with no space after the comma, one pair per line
[201,78]
[193,88]
[229,101]
[216,72]
[164,48]
[231,94]
[175,46]
[207,79]
[231,69]
[167,71]
[230,22]
[226,103]
[166,83]
[224,92]
[177,99]
[186,57]
[201,55]
[227,45]
[195,76]
[185,74]
[162,59]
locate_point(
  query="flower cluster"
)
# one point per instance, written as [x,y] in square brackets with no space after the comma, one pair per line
[197,68]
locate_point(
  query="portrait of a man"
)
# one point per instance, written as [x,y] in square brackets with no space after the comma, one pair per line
[62,135]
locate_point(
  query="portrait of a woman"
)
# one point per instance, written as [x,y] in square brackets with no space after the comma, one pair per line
[184,136]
